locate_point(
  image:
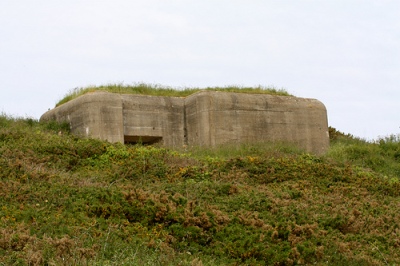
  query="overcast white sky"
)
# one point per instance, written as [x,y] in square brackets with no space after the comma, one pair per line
[344,53]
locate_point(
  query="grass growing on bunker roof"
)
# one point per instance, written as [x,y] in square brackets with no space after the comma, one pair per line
[71,201]
[159,90]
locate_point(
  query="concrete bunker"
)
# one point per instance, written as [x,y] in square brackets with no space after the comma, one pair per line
[205,118]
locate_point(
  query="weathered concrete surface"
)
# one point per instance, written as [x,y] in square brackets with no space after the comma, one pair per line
[205,118]
[97,115]
[214,118]
[157,117]
[124,117]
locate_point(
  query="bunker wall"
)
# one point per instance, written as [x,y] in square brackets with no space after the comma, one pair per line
[205,119]
[97,115]
[215,118]
[153,119]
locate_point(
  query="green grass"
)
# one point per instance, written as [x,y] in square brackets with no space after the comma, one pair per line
[71,201]
[382,155]
[159,90]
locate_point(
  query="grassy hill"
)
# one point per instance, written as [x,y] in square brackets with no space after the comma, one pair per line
[71,201]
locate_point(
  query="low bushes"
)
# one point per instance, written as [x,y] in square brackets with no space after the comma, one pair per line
[66,200]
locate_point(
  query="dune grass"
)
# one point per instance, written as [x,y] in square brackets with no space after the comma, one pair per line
[71,201]
[159,90]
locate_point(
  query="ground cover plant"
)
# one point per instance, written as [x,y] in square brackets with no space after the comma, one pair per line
[71,201]
[160,90]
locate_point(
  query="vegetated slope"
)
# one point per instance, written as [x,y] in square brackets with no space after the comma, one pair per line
[66,200]
[159,90]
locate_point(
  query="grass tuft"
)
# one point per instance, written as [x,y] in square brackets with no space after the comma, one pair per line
[159,90]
